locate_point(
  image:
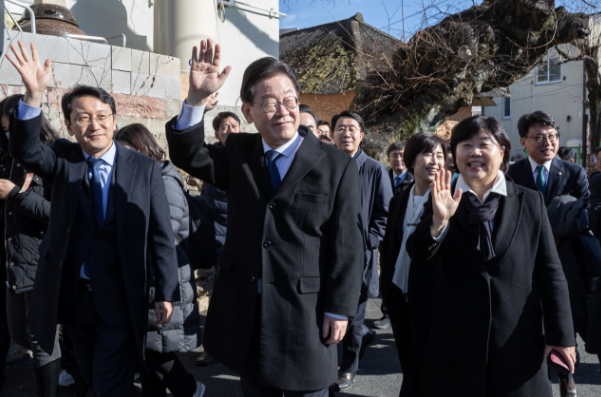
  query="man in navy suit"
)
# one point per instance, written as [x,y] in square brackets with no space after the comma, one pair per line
[109,220]
[553,177]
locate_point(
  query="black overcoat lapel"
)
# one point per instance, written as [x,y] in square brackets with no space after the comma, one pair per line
[557,179]
[506,222]
[258,167]
[400,214]
[526,176]
[125,174]
[307,157]
[76,173]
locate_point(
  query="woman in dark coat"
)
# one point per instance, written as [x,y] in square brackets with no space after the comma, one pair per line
[408,290]
[501,299]
[182,333]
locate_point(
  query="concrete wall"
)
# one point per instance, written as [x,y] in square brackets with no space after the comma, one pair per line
[560,100]
[146,86]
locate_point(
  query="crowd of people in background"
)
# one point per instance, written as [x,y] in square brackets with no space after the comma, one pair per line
[101,239]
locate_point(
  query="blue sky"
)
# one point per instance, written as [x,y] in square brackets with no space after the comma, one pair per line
[383,14]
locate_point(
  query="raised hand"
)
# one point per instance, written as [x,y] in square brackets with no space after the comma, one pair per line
[212,102]
[35,76]
[205,78]
[444,204]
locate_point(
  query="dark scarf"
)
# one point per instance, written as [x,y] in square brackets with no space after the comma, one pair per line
[479,215]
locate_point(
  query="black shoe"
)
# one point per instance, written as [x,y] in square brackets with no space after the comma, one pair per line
[567,387]
[345,380]
[204,359]
[47,378]
[367,340]
[383,323]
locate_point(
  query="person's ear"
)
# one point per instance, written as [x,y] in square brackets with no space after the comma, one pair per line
[523,143]
[246,113]
[69,127]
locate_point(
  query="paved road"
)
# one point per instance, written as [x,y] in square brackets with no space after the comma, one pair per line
[379,372]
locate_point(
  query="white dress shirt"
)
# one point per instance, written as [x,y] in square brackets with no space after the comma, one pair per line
[547,166]
[499,187]
[192,115]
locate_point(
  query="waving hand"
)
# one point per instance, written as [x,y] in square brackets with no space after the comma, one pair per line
[35,76]
[205,78]
[444,204]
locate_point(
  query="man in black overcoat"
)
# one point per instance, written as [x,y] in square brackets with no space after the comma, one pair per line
[109,211]
[376,192]
[290,270]
[544,171]
[400,177]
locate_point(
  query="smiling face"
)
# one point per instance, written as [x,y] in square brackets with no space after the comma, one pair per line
[427,165]
[279,127]
[308,121]
[479,159]
[348,135]
[543,150]
[92,123]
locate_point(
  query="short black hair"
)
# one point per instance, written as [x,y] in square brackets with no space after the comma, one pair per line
[395,146]
[471,126]
[86,90]
[224,115]
[422,142]
[534,119]
[323,122]
[565,153]
[352,115]
[262,69]
[597,151]
[9,103]
[302,108]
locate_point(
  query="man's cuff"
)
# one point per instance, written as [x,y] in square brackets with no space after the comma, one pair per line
[26,112]
[336,316]
[189,116]
[14,192]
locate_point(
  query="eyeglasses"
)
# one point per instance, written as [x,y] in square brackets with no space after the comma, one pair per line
[396,155]
[323,132]
[542,137]
[271,105]
[84,120]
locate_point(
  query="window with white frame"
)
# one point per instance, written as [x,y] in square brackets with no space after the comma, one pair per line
[549,71]
[507,107]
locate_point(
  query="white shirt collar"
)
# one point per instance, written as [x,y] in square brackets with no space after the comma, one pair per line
[402,174]
[499,187]
[533,164]
[108,157]
[286,149]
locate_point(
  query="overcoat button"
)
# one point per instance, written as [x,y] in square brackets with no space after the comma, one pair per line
[252,279]
[267,244]
[271,206]
[18,165]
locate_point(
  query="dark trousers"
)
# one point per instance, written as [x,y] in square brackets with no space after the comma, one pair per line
[4,333]
[165,370]
[106,353]
[398,310]
[17,308]
[252,389]
[351,343]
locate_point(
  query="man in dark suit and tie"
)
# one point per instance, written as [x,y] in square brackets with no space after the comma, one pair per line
[109,220]
[553,177]
[290,271]
[400,177]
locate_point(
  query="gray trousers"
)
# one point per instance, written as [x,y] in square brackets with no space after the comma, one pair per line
[17,307]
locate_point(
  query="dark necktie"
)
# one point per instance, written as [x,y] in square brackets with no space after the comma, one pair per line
[541,184]
[94,166]
[397,181]
[272,157]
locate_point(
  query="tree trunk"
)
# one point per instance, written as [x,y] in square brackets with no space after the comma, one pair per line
[593,86]
[442,68]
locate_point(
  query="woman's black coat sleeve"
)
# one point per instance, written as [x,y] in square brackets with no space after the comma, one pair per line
[32,204]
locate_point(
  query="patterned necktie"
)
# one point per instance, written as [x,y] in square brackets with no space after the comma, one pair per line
[94,166]
[272,157]
[541,183]
[397,181]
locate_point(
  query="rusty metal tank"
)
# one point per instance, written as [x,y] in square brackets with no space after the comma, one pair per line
[50,19]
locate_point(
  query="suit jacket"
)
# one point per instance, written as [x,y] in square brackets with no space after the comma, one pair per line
[375,197]
[406,183]
[570,179]
[488,316]
[564,178]
[141,213]
[304,240]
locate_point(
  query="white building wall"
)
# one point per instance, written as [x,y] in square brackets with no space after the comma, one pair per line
[560,99]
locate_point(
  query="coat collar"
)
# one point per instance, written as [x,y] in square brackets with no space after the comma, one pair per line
[360,157]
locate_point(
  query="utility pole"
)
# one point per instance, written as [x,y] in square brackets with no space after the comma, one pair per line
[403,18]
